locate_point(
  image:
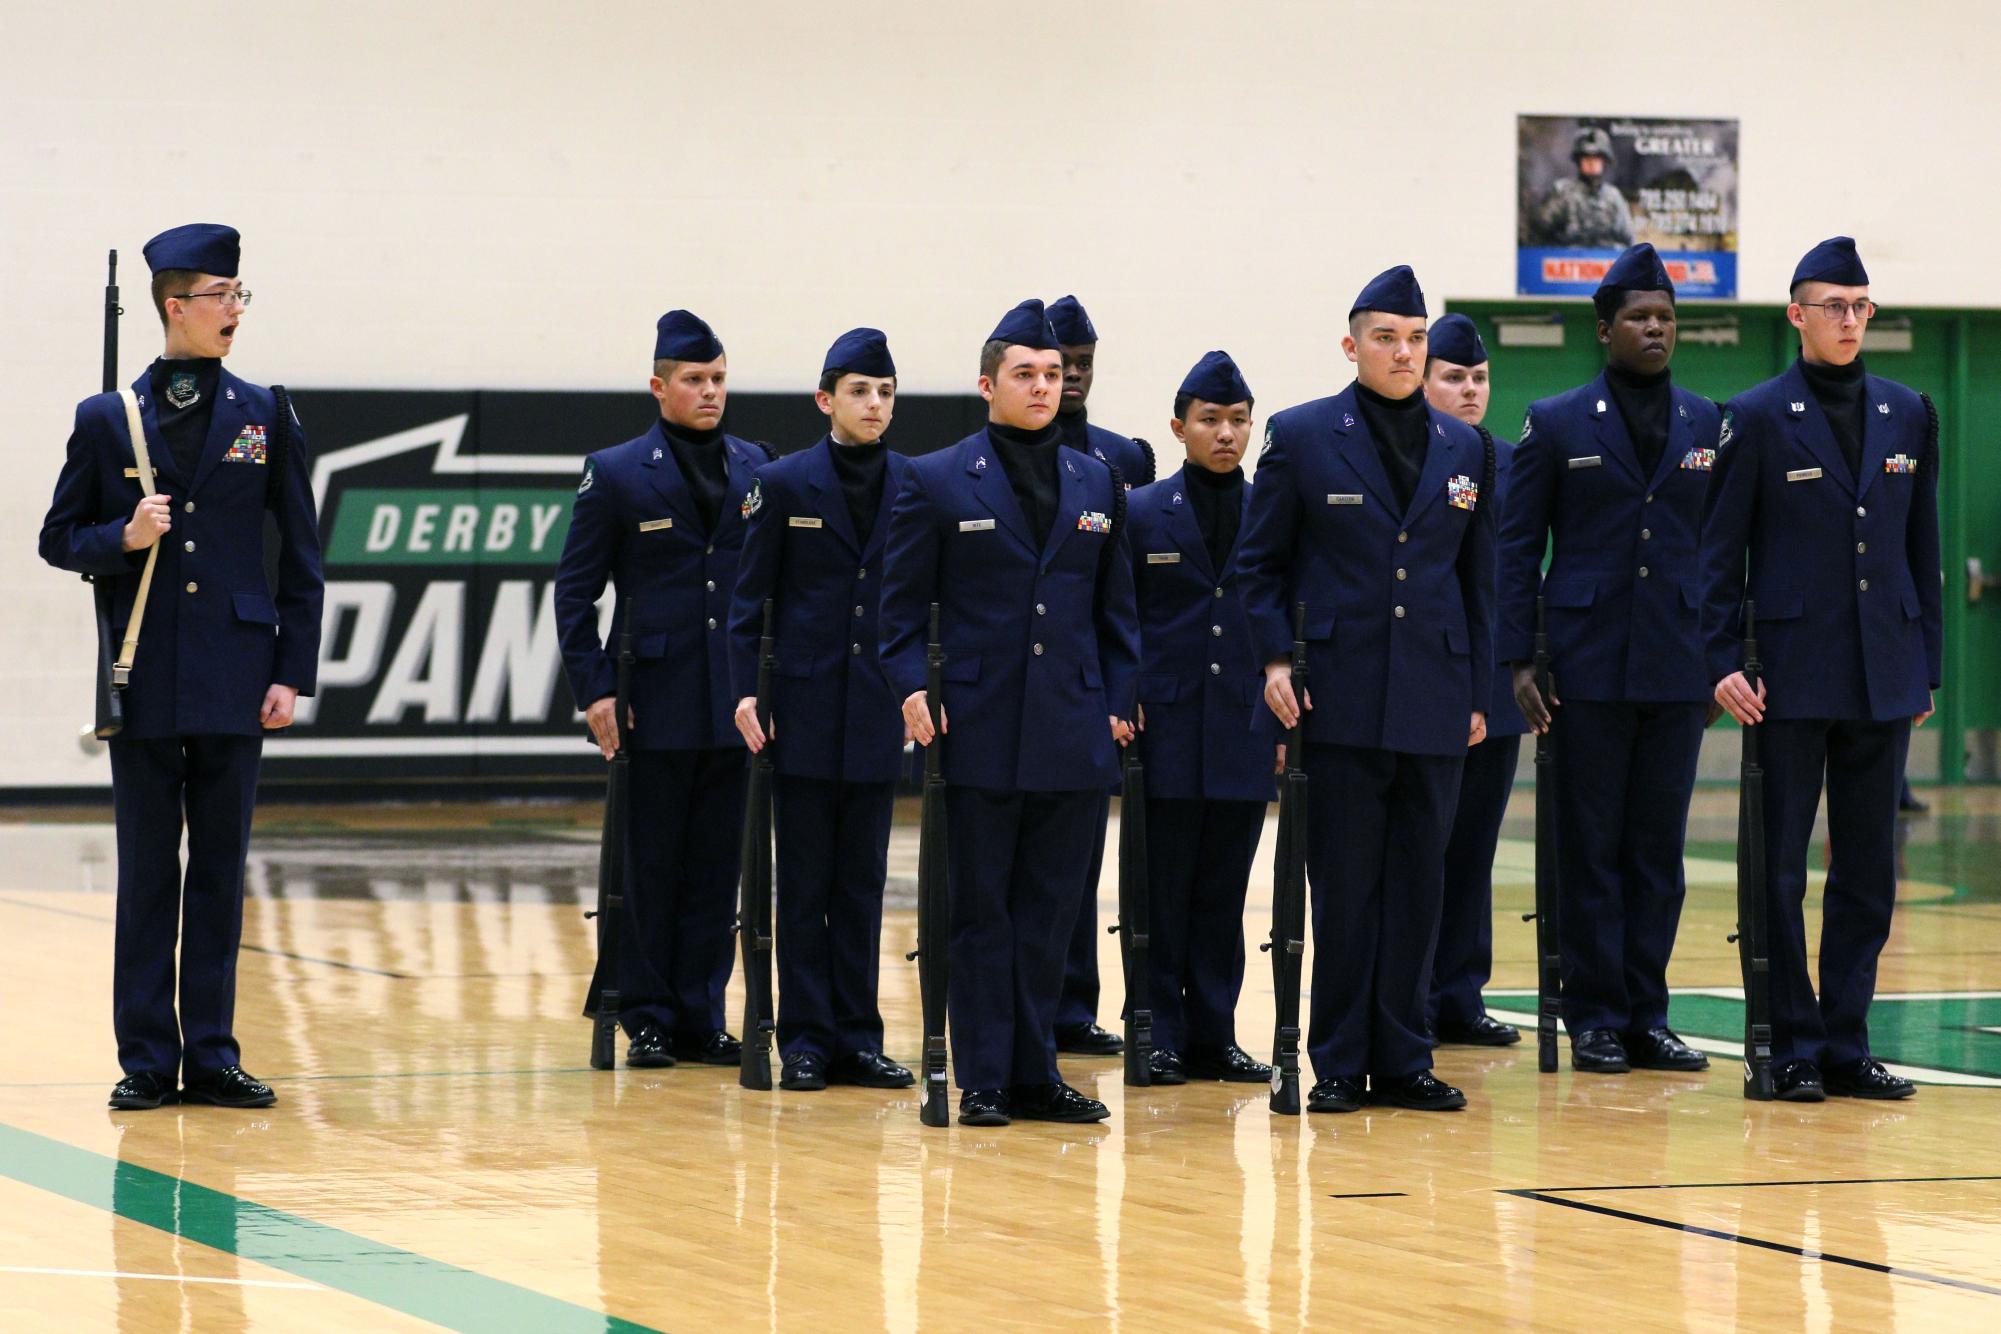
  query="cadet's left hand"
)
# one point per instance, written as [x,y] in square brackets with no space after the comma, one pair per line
[1122,731]
[1478,731]
[746,723]
[279,701]
[1930,709]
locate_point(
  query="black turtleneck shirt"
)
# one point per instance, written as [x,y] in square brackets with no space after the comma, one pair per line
[860,469]
[1645,403]
[1030,460]
[707,472]
[1218,501]
[1398,426]
[184,426]
[1839,391]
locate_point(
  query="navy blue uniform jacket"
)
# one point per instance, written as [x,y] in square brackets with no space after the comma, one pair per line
[1844,570]
[1504,718]
[1208,734]
[636,524]
[1040,633]
[836,717]
[1399,606]
[1133,459]
[216,636]
[1623,585]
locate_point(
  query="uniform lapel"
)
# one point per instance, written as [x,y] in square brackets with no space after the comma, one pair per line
[663,474]
[1069,505]
[1179,512]
[1357,448]
[225,420]
[1680,439]
[820,476]
[1878,430]
[157,452]
[995,492]
[892,484]
[1438,463]
[1610,429]
[740,463]
[1810,425]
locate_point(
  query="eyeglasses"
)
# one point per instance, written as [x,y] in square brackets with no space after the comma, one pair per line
[227,298]
[1837,311]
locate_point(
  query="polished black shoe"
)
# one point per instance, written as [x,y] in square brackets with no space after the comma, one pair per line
[143,1092]
[1166,1067]
[984,1107]
[647,1049]
[1335,1095]
[1421,1092]
[1055,1102]
[1087,1040]
[234,1087]
[1866,1078]
[717,1048]
[1798,1081]
[1486,1031]
[1910,803]
[805,1072]
[870,1070]
[1231,1064]
[1660,1049]
[1598,1051]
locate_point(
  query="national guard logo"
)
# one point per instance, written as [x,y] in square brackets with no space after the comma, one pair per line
[248,447]
[1727,433]
[181,390]
[1462,492]
[1090,521]
[753,499]
[1699,460]
[590,476]
[1900,463]
[1528,426]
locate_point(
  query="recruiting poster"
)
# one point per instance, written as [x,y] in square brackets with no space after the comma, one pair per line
[1589,186]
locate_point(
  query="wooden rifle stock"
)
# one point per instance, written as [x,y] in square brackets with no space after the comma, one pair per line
[755,885]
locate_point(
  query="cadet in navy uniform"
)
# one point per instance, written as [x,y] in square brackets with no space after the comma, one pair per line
[1209,743]
[1372,509]
[222,658]
[1612,474]
[1019,540]
[1456,382]
[659,516]
[1077,1027]
[1828,479]
[817,526]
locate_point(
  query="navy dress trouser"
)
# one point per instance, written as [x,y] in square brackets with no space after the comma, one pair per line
[1198,857]
[1464,959]
[213,780]
[685,844]
[1078,1003]
[1860,763]
[832,860]
[1624,775]
[1376,864]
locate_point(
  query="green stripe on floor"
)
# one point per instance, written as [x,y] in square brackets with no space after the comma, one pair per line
[401,1280]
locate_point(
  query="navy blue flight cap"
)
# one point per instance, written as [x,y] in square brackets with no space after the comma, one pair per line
[1456,339]
[1073,327]
[204,247]
[1027,325]
[1216,379]
[685,336]
[1832,261]
[1639,269]
[1393,292]
[860,352]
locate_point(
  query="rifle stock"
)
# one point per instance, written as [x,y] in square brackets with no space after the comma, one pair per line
[602,1003]
[1753,945]
[1548,891]
[1288,928]
[933,895]
[1134,927]
[755,884]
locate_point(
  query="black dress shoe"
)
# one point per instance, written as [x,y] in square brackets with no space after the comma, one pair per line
[1798,1081]
[1421,1092]
[1087,1040]
[1598,1051]
[1335,1095]
[1231,1064]
[1167,1067]
[1660,1049]
[1486,1031]
[234,1087]
[647,1049]
[984,1107]
[717,1048]
[870,1070]
[143,1092]
[805,1072]
[1055,1102]
[1866,1078]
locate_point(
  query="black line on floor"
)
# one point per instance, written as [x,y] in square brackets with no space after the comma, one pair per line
[331,963]
[1872,1266]
[1374,1195]
[1746,1185]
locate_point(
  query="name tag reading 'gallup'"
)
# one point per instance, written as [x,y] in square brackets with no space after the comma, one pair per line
[655,525]
[1163,558]
[1803,475]
[976,525]
[1337,498]
[1589,461]
[803,521]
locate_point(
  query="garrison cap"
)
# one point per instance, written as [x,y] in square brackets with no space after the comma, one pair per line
[1393,292]
[1073,327]
[684,336]
[1832,261]
[1027,325]
[1216,379]
[1639,269]
[204,247]
[860,352]
[1456,339]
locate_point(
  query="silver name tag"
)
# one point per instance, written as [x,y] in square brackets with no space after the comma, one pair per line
[976,525]
[1803,475]
[1338,499]
[655,525]
[798,521]
[1589,461]
[1163,558]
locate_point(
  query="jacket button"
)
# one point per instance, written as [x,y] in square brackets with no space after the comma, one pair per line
[862,573]
[187,546]
[193,586]
[1860,547]
[189,507]
[855,650]
[1865,585]
[1403,537]
[1650,500]
[712,622]
[1215,669]
[1646,534]
[1861,513]
[1215,632]
[1041,610]
[709,550]
[1403,574]
[711,585]
[1038,650]
[1219,592]
[1643,572]
[1400,613]
[858,610]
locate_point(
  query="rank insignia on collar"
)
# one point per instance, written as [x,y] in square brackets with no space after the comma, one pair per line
[1177,497]
[1100,453]
[229,394]
[1441,430]
[1601,405]
[1347,419]
[657,453]
[1071,468]
[181,390]
[753,500]
[1528,426]
[1797,407]
[980,463]
[1090,521]
[1883,408]
[590,476]
[1900,463]
[1684,412]
[1699,460]
[1462,492]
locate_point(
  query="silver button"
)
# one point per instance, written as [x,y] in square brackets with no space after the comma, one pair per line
[712,622]
[1861,513]
[712,585]
[1400,613]
[709,550]
[1865,585]
[1646,534]
[1403,537]
[855,649]
[1038,650]
[1215,632]
[1643,572]
[1860,547]
[1041,610]
[862,573]
[1650,500]
[1403,574]
[1219,592]
[189,507]
[193,586]
[858,610]
[187,546]
[1215,669]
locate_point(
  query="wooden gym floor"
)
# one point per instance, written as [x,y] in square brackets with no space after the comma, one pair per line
[441,1155]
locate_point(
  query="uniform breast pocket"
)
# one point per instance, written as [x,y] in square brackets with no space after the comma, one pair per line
[254,609]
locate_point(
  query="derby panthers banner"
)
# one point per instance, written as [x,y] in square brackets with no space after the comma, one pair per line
[1589,186]
[443,516]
